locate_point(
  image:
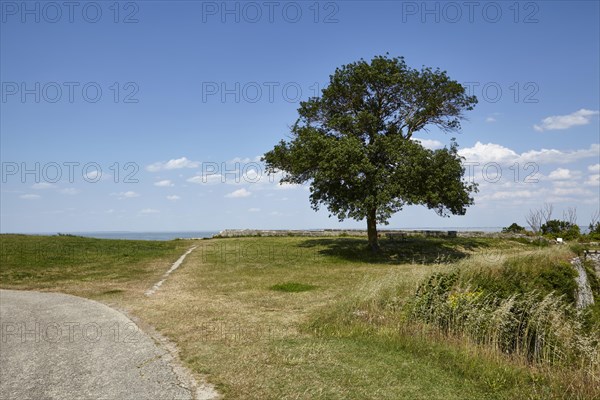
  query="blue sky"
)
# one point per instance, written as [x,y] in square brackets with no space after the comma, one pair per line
[137,117]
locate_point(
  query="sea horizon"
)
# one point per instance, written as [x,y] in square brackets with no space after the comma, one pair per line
[187,234]
[199,234]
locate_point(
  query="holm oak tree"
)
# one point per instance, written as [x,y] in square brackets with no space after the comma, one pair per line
[353,143]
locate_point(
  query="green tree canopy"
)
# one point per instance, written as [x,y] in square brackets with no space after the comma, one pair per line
[353,144]
[558,228]
[513,228]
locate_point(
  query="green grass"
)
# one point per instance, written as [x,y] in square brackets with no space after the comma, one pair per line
[239,311]
[413,250]
[526,274]
[75,263]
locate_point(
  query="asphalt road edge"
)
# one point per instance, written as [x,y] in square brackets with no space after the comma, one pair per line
[199,388]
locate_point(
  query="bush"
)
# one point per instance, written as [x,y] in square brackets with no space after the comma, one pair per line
[576,248]
[556,228]
[513,228]
[594,229]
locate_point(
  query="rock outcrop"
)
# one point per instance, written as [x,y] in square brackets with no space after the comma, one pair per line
[584,296]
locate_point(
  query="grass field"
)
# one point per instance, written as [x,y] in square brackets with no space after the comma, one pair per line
[83,266]
[300,318]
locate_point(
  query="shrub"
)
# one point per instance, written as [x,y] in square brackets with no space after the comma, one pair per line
[576,248]
[557,228]
[593,231]
[513,228]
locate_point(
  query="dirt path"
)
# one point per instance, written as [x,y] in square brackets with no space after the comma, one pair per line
[175,265]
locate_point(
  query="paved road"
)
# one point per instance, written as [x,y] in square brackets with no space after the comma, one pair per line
[56,346]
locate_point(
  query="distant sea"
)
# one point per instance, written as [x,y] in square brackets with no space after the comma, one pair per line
[126,235]
[206,234]
[147,235]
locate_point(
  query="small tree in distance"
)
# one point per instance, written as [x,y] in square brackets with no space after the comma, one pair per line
[594,226]
[538,217]
[513,228]
[353,144]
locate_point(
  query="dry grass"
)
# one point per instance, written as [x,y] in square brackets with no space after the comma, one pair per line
[341,340]
[253,342]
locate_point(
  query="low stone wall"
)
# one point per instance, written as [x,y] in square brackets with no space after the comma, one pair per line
[228,233]
[594,257]
[583,294]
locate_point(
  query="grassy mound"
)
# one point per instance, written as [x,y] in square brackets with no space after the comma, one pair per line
[511,305]
[523,306]
[75,264]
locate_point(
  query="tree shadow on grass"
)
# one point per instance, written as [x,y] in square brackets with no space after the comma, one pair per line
[417,250]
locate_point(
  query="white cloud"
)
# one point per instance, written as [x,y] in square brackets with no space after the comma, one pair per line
[505,195]
[43,185]
[246,160]
[593,180]
[70,191]
[490,119]
[252,175]
[125,195]
[164,183]
[239,193]
[149,211]
[429,143]
[236,177]
[491,152]
[559,122]
[253,209]
[92,176]
[561,174]
[558,156]
[173,197]
[594,177]
[566,183]
[560,191]
[30,196]
[287,186]
[206,179]
[177,163]
[110,211]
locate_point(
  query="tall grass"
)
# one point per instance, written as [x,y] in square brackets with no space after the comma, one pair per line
[529,313]
[515,307]
[542,329]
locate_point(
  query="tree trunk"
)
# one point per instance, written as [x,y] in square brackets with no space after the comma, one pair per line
[372,230]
